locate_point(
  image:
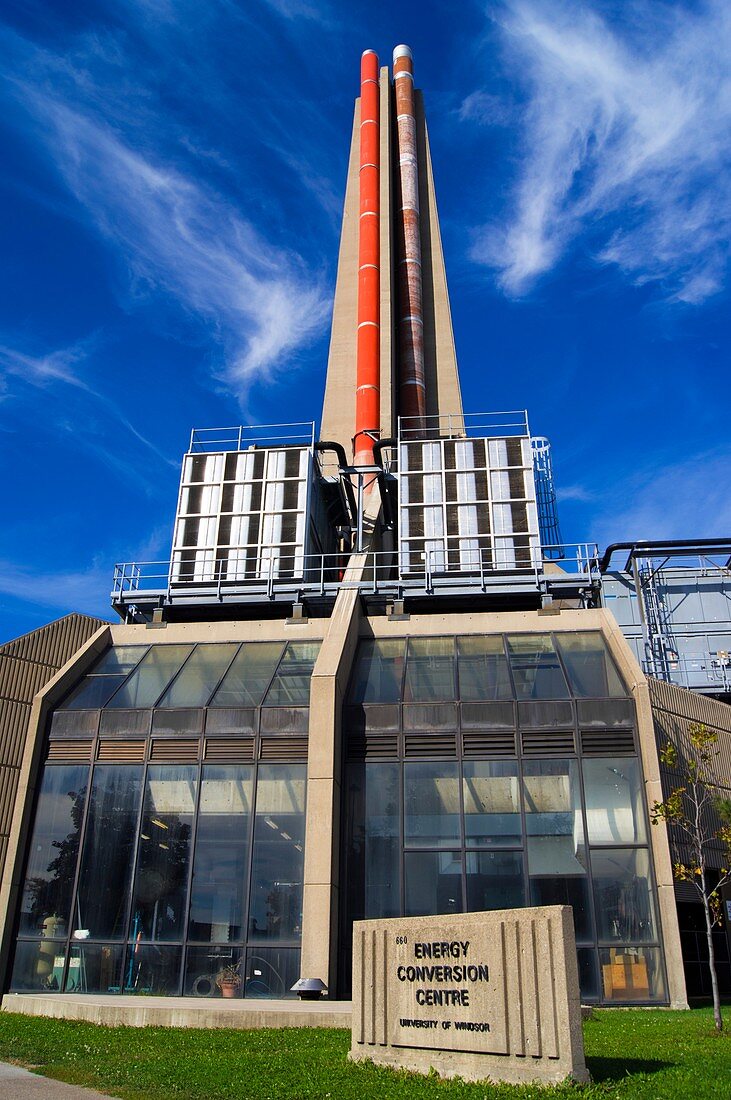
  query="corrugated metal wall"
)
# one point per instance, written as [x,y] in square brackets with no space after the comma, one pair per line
[673,710]
[26,665]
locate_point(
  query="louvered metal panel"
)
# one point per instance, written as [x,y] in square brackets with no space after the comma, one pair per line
[54,644]
[283,749]
[229,748]
[69,750]
[22,679]
[488,743]
[607,743]
[439,745]
[121,752]
[175,751]
[373,746]
[547,742]
[13,726]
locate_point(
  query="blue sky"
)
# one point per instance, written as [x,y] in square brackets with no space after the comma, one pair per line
[172,181]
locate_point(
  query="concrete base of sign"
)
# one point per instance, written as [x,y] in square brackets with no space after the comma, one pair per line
[479,996]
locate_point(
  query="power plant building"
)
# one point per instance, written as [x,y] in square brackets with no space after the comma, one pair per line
[371,680]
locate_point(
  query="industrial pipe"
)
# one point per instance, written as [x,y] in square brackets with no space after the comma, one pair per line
[662,545]
[368,354]
[330,445]
[410,319]
[378,449]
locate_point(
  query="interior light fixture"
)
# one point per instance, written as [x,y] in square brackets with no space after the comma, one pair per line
[285,835]
[270,823]
[144,836]
[156,821]
[165,846]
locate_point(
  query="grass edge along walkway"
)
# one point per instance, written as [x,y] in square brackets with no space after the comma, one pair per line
[633,1054]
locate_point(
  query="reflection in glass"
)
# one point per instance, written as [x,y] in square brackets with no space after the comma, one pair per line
[49,878]
[632,974]
[535,666]
[150,970]
[249,676]
[271,971]
[275,908]
[109,846]
[220,870]
[94,968]
[432,883]
[430,670]
[623,895]
[614,801]
[374,849]
[378,671]
[491,803]
[494,881]
[556,848]
[483,669]
[104,679]
[214,972]
[431,804]
[151,677]
[291,684]
[39,965]
[158,910]
[588,979]
[197,682]
[590,669]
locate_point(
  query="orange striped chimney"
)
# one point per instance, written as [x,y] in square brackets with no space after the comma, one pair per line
[368,358]
[410,320]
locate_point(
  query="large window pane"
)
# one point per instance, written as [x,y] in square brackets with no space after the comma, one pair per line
[291,683]
[39,965]
[214,972]
[432,883]
[491,803]
[614,801]
[151,677]
[152,971]
[430,670]
[46,903]
[109,846]
[632,974]
[221,867]
[104,679]
[378,671]
[198,679]
[275,909]
[590,669]
[271,972]
[494,881]
[249,676]
[431,805]
[374,847]
[556,848]
[94,968]
[161,889]
[623,894]
[483,669]
[535,666]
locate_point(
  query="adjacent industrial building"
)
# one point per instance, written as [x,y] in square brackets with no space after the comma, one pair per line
[370,681]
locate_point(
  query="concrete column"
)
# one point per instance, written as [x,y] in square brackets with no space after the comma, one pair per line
[322,835]
[659,841]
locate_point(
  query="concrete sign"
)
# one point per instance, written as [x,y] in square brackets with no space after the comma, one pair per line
[479,995]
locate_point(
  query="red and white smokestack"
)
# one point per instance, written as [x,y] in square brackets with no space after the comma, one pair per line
[368,361]
[412,388]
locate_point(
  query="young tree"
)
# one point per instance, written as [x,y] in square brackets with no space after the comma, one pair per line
[701,819]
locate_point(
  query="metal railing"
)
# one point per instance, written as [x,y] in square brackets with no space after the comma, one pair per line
[242,436]
[381,572]
[514,422]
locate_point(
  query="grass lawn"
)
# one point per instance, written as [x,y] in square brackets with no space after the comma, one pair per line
[650,1055]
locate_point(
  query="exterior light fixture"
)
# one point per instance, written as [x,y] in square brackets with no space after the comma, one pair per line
[309,989]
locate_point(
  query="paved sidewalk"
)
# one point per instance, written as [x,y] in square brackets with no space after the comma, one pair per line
[20,1084]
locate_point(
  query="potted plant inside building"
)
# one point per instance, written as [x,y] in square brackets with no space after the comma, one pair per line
[228,980]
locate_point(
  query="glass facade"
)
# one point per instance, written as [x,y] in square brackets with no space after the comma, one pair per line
[167,863]
[495,772]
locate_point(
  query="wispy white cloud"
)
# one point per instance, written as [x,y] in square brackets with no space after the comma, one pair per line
[85,590]
[626,139]
[574,492]
[688,499]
